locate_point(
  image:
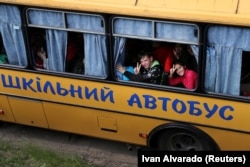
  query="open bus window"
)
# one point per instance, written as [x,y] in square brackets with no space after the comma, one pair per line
[245,74]
[160,39]
[3,56]
[38,47]
[75,42]
[75,53]
[227,60]
[74,60]
[166,55]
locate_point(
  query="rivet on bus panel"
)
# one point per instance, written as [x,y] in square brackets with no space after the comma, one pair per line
[143,135]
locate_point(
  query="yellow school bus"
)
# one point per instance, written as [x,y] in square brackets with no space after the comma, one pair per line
[58,70]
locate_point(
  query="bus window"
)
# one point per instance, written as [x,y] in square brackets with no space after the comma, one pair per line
[68,36]
[12,52]
[226,59]
[75,53]
[38,47]
[245,75]
[140,63]
[161,39]
[3,56]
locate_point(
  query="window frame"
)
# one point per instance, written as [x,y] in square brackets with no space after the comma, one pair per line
[67,28]
[154,38]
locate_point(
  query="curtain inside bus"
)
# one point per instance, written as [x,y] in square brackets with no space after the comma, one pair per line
[11,31]
[95,55]
[224,58]
[56,49]
[95,49]
[119,50]
[56,40]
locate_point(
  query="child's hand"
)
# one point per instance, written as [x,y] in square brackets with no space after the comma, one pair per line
[120,68]
[41,55]
[137,68]
[172,71]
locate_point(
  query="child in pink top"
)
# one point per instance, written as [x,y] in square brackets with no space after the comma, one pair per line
[186,77]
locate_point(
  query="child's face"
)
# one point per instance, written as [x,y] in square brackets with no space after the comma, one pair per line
[178,50]
[180,70]
[146,61]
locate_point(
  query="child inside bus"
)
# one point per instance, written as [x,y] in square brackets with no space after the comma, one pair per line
[121,76]
[148,70]
[38,44]
[184,53]
[162,51]
[184,77]
[41,59]
[75,53]
[3,56]
[78,65]
[3,59]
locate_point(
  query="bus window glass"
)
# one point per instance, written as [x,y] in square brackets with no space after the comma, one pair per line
[165,49]
[177,32]
[45,18]
[132,27]
[225,50]
[13,51]
[89,48]
[85,23]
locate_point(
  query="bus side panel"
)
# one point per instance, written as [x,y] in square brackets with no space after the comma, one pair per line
[99,123]
[197,5]
[5,110]
[28,112]
[244,7]
[127,127]
[228,140]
